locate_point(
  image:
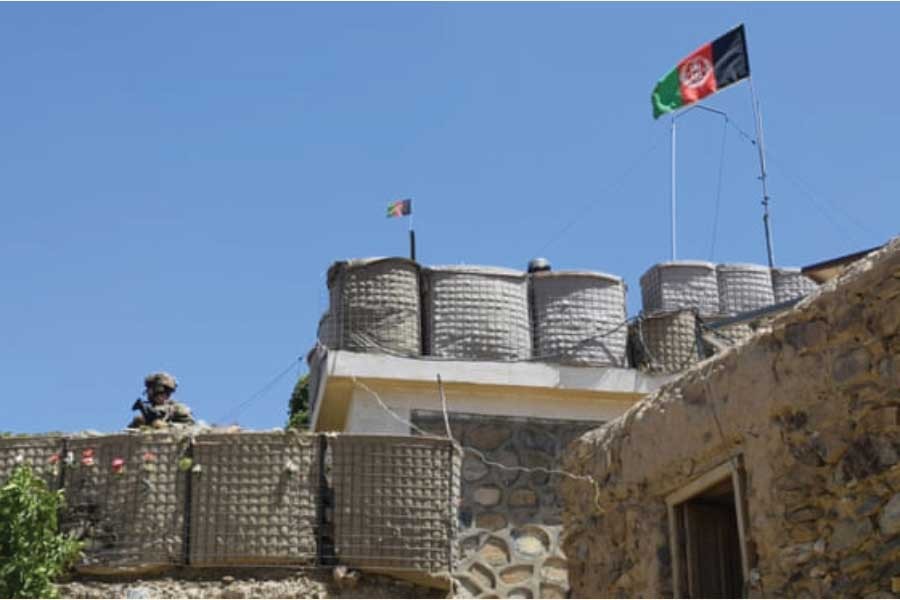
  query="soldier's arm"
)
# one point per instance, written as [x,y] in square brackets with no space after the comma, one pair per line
[180,413]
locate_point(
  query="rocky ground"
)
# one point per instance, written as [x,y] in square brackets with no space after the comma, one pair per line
[296,584]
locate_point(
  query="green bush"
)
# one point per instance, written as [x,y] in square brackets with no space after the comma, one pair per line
[298,407]
[32,551]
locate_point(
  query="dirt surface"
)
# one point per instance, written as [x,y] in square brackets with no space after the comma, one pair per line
[313,583]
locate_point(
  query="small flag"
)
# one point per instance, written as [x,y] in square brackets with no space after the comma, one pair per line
[399,208]
[705,71]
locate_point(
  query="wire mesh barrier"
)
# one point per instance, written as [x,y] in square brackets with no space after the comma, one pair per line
[144,502]
[254,499]
[374,303]
[465,312]
[395,501]
[791,283]
[477,313]
[666,342]
[44,455]
[679,285]
[579,318]
[743,288]
[124,496]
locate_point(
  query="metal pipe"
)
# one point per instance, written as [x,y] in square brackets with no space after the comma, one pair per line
[762,173]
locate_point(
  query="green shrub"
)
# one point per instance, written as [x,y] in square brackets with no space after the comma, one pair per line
[32,552]
[298,407]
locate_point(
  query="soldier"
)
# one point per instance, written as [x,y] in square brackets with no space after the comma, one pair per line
[159,410]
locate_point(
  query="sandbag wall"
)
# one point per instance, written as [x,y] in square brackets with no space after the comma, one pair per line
[151,501]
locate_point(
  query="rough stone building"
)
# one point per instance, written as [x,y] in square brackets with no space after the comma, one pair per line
[772,469]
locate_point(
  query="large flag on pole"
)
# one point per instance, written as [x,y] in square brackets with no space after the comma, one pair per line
[710,68]
[399,208]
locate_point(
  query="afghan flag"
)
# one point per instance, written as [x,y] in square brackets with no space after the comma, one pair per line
[707,70]
[399,208]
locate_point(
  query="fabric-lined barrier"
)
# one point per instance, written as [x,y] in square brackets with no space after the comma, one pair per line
[395,501]
[254,499]
[124,499]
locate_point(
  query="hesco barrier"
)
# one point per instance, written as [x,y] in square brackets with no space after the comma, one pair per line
[395,501]
[123,499]
[254,499]
[744,287]
[579,318]
[682,284]
[157,500]
[374,307]
[790,283]
[665,342]
[477,313]
[43,454]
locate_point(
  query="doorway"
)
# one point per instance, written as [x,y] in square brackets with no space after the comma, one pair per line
[707,532]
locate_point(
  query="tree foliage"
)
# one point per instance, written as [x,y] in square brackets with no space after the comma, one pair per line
[32,551]
[298,407]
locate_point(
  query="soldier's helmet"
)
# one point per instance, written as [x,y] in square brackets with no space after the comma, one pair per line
[160,381]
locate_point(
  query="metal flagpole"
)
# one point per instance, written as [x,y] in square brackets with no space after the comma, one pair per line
[412,235]
[673,187]
[762,173]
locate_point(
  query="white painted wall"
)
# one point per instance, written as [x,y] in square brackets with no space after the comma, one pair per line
[366,415]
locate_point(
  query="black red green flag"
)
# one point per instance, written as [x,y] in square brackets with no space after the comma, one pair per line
[710,68]
[399,208]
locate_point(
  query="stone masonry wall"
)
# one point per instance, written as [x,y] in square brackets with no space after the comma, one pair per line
[810,406]
[510,521]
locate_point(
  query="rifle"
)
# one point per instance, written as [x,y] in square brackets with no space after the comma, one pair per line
[147,411]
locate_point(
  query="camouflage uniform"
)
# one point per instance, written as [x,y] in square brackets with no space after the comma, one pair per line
[161,414]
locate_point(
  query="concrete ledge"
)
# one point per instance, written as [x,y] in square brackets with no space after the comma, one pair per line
[342,363]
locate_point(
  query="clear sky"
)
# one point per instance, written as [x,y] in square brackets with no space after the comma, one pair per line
[177,178]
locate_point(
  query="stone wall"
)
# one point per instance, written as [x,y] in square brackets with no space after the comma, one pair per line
[510,520]
[809,406]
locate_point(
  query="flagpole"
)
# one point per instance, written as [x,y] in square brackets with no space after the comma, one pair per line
[762,172]
[673,187]
[412,238]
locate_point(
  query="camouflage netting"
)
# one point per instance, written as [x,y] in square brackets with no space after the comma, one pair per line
[395,501]
[790,284]
[579,318]
[743,288]
[477,313]
[43,454]
[679,285]
[124,498]
[254,499]
[665,342]
[374,306]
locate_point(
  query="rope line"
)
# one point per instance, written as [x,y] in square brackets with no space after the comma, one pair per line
[715,227]
[236,410]
[588,206]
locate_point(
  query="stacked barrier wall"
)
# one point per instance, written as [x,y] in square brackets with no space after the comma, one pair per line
[42,454]
[395,501]
[145,502]
[254,499]
[124,499]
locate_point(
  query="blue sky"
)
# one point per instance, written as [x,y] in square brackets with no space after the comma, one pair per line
[176,178]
